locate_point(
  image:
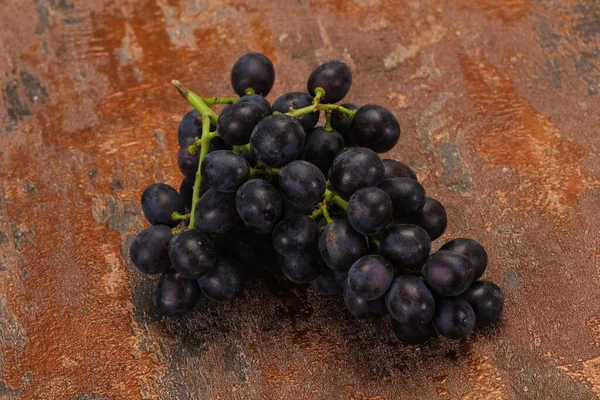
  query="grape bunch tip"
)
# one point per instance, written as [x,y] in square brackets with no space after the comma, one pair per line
[264,185]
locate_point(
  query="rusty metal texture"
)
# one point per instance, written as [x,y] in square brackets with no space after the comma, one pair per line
[499,107]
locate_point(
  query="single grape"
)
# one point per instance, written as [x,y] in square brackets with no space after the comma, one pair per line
[277,140]
[225,282]
[409,301]
[288,207]
[259,205]
[293,101]
[301,268]
[406,246]
[471,249]
[224,170]
[355,168]
[149,250]
[216,212]
[159,202]
[370,276]
[369,210]
[396,169]
[432,217]
[186,191]
[187,162]
[192,253]
[341,122]
[407,195]
[190,127]
[326,284]
[295,234]
[302,182]
[174,295]
[340,245]
[375,127]
[413,334]
[237,121]
[258,100]
[321,147]
[487,301]
[448,273]
[253,71]
[218,143]
[334,77]
[249,156]
[454,318]
[362,308]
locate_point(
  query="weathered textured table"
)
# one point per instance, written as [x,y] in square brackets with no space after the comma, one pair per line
[498,102]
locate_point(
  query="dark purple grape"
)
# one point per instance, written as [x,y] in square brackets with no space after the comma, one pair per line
[334,77]
[341,122]
[413,334]
[454,318]
[409,301]
[174,295]
[249,156]
[407,195]
[326,284]
[253,71]
[406,246]
[487,301]
[225,282]
[340,245]
[432,217]
[471,249]
[375,127]
[321,147]
[186,191]
[355,168]
[187,162]
[259,205]
[396,169]
[301,268]
[159,202]
[224,170]
[219,143]
[369,210]
[258,100]
[295,235]
[362,308]
[370,276]
[293,101]
[277,140]
[149,250]
[237,121]
[190,127]
[216,212]
[192,253]
[288,207]
[448,273]
[302,182]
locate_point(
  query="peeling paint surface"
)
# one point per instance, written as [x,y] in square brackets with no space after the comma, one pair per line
[499,107]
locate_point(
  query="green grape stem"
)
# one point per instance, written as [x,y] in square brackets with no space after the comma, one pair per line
[328,127]
[196,101]
[179,217]
[317,106]
[204,146]
[211,101]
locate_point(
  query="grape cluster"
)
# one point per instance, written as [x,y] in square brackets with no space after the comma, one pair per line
[265,187]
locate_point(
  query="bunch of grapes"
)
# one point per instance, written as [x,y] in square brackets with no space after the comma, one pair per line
[265,187]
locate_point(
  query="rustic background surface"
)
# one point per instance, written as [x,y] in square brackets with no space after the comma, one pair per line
[498,102]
